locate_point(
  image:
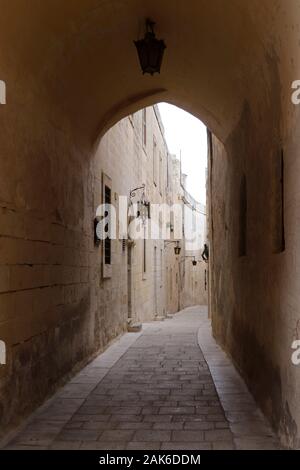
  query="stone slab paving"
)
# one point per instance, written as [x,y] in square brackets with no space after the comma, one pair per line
[249,427]
[153,390]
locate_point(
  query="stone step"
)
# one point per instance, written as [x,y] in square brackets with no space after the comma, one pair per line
[159,318]
[134,327]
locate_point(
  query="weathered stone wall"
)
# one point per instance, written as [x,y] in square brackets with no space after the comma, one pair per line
[71,72]
[195,289]
[253,292]
[170,282]
[56,310]
[46,309]
[123,156]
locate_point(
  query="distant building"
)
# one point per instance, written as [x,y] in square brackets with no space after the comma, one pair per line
[142,279]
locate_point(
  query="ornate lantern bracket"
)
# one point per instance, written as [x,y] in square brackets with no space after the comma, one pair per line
[143,205]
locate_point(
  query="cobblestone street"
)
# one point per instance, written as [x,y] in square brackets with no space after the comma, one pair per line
[153,390]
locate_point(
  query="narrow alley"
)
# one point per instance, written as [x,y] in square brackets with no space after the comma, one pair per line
[167,387]
[150,163]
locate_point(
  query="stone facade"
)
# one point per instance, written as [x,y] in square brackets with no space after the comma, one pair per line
[148,280]
[71,72]
[56,308]
[195,277]
[249,220]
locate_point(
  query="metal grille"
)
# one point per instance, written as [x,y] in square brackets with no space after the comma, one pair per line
[107,242]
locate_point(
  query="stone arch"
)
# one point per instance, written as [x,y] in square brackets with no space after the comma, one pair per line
[71,71]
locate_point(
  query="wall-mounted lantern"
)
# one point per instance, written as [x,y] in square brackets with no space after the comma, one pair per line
[150,50]
[177,248]
[194,261]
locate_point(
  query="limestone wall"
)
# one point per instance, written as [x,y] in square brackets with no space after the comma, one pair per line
[253,267]
[168,283]
[56,309]
[47,310]
[129,162]
[71,72]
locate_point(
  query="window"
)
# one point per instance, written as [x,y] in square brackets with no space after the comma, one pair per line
[107,243]
[144,126]
[243,218]
[145,253]
[154,161]
[160,176]
[278,229]
[145,257]
[107,255]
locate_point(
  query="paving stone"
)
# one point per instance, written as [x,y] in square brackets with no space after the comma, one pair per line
[98,425]
[33,440]
[116,435]
[187,435]
[127,418]
[158,418]
[150,391]
[180,410]
[79,435]
[198,426]
[66,445]
[90,417]
[218,435]
[222,425]
[255,443]
[168,426]
[150,410]
[102,445]
[126,410]
[74,425]
[251,428]
[223,445]
[189,418]
[135,426]
[143,446]
[152,435]
[186,446]
[24,447]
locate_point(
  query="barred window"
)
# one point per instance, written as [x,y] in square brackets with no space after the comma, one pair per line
[107,242]
[107,245]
